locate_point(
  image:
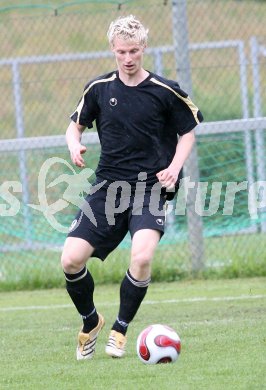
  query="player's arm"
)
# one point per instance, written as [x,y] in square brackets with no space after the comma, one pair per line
[73,139]
[168,177]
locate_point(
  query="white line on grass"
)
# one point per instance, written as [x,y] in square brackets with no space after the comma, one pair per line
[164,301]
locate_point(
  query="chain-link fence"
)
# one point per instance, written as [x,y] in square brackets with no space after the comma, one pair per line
[216,49]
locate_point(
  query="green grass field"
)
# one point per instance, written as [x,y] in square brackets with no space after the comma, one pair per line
[221,324]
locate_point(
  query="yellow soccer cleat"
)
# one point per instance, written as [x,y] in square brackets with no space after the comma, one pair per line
[87,341]
[116,344]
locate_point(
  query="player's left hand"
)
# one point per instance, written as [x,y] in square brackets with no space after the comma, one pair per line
[168,177]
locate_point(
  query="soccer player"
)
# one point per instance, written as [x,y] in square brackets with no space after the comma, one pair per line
[145,125]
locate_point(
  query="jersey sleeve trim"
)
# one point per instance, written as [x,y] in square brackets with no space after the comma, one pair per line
[194,109]
[81,103]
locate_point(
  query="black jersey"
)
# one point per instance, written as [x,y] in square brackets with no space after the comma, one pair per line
[138,126]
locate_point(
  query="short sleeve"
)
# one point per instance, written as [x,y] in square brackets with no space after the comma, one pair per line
[85,112]
[184,115]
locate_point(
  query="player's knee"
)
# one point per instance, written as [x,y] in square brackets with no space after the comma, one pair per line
[141,258]
[71,263]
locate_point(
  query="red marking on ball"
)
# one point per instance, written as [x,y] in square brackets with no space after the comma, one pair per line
[143,349]
[165,341]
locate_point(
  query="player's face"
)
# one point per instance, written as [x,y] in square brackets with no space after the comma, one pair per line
[129,56]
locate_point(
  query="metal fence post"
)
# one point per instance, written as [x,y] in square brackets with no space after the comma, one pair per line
[245,113]
[23,173]
[257,112]
[191,169]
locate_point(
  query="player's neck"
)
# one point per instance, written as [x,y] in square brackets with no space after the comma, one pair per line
[132,80]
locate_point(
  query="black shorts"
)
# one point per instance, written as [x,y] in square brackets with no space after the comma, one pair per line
[108,214]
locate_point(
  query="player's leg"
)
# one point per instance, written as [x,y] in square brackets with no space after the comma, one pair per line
[133,287]
[136,281]
[87,239]
[144,243]
[80,287]
[79,282]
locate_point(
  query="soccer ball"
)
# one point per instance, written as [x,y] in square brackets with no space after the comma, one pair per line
[158,344]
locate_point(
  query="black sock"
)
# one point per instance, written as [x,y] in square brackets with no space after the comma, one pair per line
[80,287]
[132,293]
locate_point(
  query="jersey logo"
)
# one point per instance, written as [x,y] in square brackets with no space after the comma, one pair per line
[113,102]
[160,221]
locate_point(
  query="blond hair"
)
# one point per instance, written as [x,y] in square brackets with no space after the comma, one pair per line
[128,28]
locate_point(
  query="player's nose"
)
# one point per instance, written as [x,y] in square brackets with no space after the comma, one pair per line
[127,57]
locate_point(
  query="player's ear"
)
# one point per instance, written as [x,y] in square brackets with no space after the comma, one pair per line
[111,45]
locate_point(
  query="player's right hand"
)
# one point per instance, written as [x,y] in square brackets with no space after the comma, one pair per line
[76,155]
